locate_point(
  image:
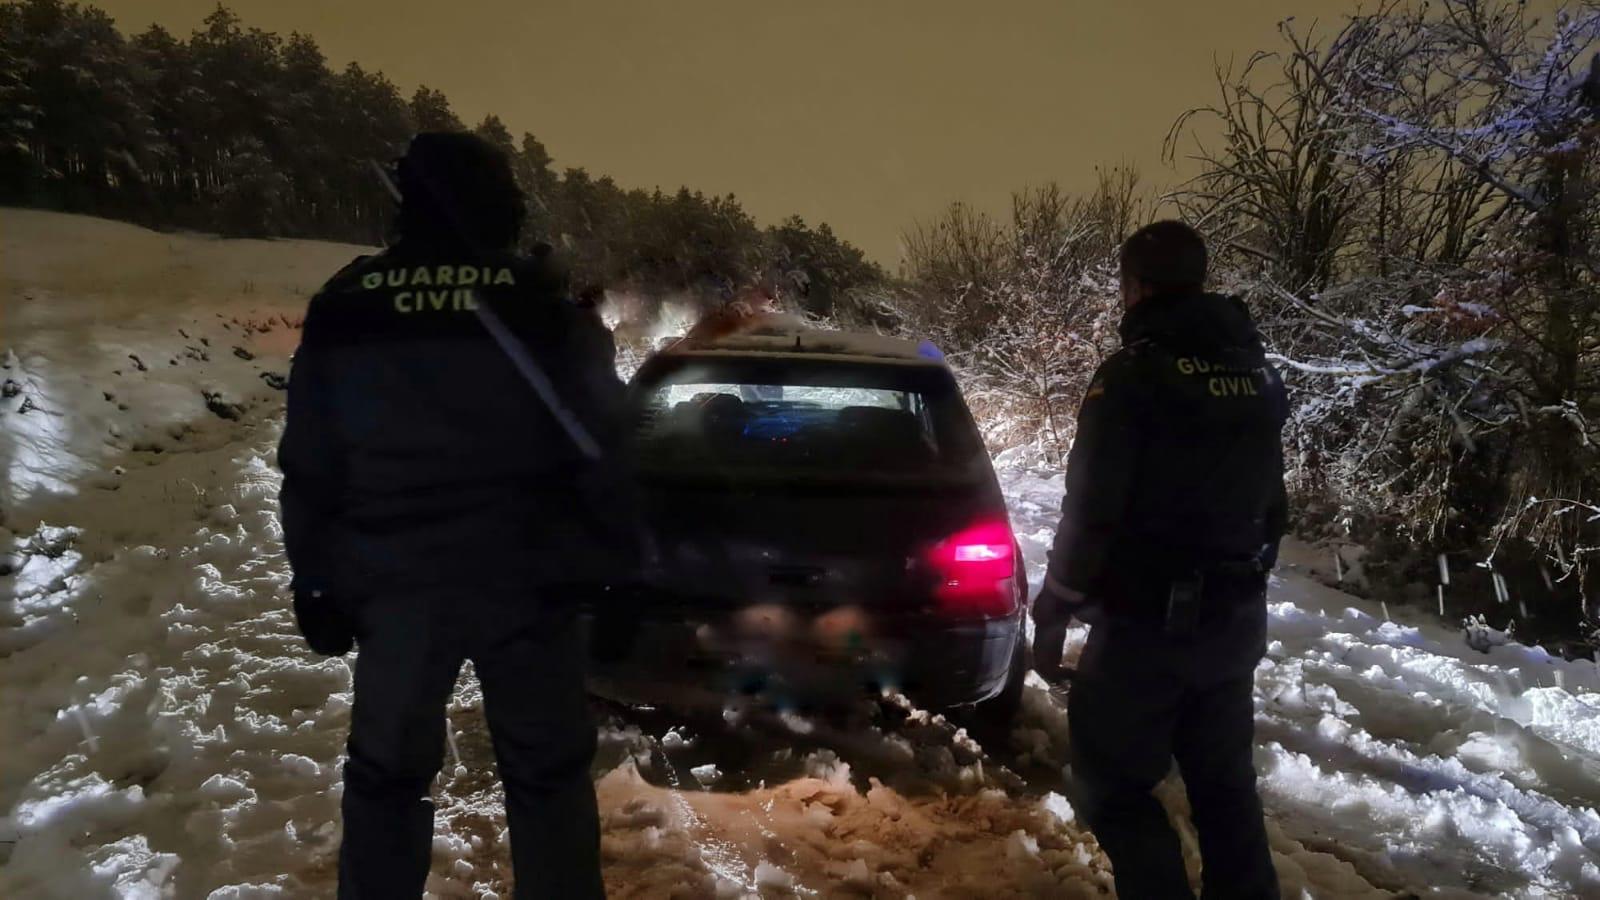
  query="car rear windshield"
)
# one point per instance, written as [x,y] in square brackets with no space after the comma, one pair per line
[802,417]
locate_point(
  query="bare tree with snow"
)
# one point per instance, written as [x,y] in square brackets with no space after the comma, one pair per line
[1415,205]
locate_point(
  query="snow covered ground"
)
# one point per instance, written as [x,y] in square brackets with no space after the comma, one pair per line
[167,734]
[1388,745]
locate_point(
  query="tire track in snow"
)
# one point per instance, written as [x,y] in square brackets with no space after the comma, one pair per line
[1427,779]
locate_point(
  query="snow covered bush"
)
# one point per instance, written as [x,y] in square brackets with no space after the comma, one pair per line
[1026,308]
[1413,206]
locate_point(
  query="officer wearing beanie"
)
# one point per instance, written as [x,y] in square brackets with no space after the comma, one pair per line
[435,510]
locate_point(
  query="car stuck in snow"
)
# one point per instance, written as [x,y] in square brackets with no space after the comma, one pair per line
[825,521]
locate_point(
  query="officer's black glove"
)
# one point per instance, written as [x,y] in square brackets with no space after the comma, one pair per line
[1053,611]
[323,622]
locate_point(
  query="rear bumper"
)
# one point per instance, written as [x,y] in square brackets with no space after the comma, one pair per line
[694,658]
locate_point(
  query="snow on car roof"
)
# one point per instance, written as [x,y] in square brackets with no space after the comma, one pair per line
[791,335]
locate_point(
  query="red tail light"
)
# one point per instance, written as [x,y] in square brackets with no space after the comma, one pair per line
[976,569]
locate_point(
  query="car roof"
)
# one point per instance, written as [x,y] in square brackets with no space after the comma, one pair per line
[793,337]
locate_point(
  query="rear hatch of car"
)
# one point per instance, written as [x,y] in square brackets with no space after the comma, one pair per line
[846,500]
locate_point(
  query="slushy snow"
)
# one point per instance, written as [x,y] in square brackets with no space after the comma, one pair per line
[169,735]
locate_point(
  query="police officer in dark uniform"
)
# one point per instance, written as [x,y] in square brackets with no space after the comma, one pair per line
[436,510]
[1175,505]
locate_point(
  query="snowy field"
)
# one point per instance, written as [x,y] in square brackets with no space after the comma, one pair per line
[167,734]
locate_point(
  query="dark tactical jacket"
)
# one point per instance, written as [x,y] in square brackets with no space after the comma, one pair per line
[1178,463]
[416,454]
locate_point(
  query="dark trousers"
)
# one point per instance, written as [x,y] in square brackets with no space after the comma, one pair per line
[530,662]
[1141,699]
